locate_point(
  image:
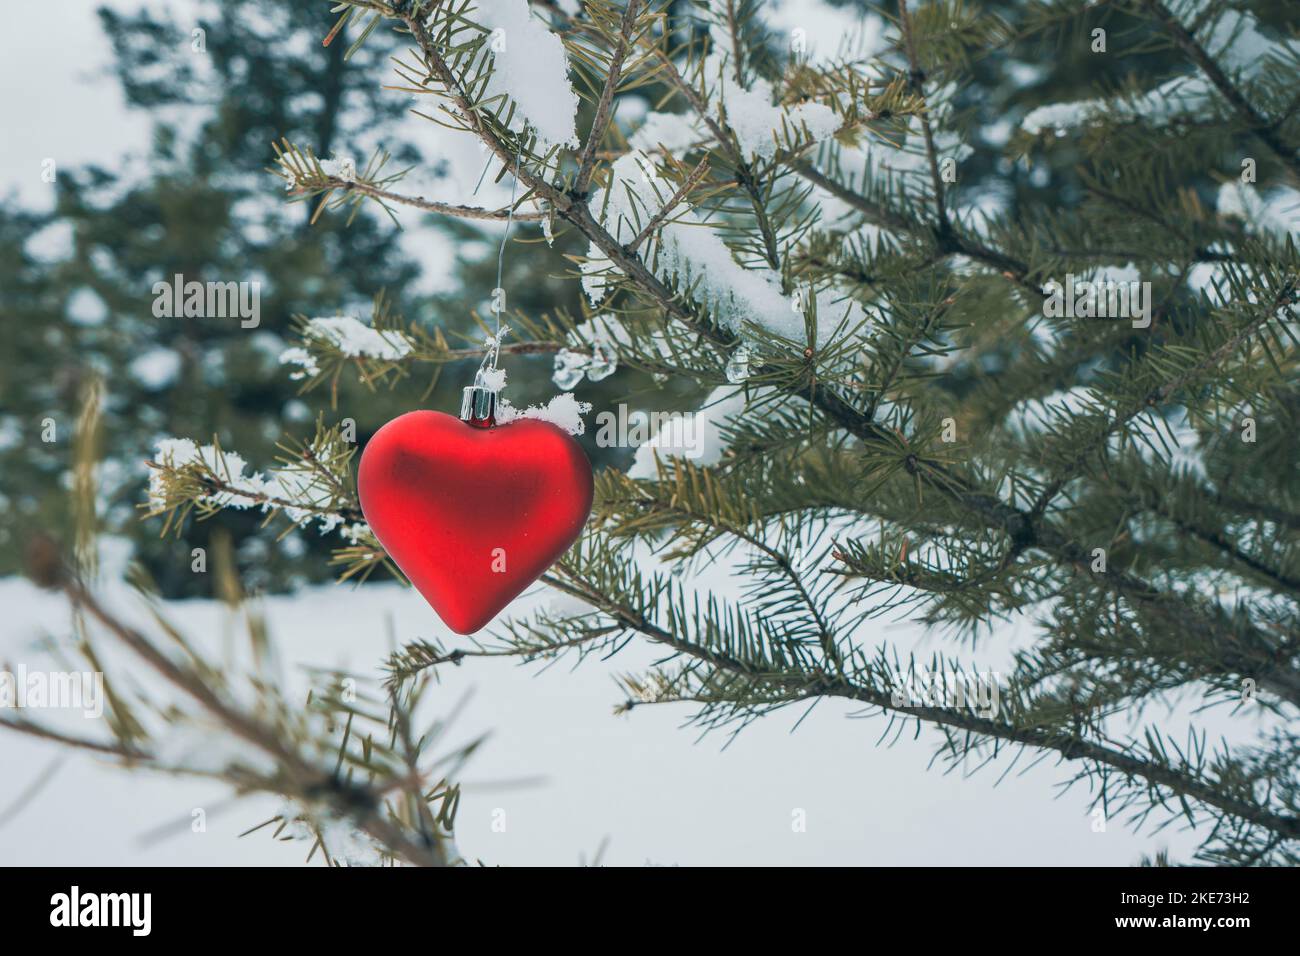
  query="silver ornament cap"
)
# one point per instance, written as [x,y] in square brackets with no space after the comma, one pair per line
[478,403]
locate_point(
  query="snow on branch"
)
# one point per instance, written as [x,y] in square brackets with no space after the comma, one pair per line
[350,338]
[530,67]
[1277,215]
[1233,39]
[690,253]
[761,127]
[309,489]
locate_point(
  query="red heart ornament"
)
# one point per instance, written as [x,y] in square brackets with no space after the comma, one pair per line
[473,514]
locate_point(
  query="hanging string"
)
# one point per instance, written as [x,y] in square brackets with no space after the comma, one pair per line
[501,259]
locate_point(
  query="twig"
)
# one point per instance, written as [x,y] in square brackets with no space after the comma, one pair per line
[587,162]
[916,77]
[674,200]
[428,205]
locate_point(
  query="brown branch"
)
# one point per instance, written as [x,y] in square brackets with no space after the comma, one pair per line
[217,486]
[599,125]
[354,800]
[427,205]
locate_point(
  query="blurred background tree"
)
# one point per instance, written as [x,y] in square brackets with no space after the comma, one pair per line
[221,81]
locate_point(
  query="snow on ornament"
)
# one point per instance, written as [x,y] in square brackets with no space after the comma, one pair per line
[475,509]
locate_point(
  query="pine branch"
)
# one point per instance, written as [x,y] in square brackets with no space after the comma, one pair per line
[916,76]
[809,687]
[1259,125]
[1160,394]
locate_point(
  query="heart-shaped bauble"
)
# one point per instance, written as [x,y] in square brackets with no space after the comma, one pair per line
[473,515]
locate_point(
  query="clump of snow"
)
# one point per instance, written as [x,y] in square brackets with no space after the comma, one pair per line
[1032,416]
[229,466]
[675,132]
[354,338]
[494,378]
[530,66]
[564,411]
[883,160]
[351,337]
[342,840]
[1061,116]
[85,307]
[1278,215]
[707,443]
[1182,94]
[156,369]
[297,490]
[340,167]
[306,362]
[11,433]
[569,368]
[1233,40]
[760,125]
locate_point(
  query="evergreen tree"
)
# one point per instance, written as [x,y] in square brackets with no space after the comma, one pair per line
[970,356]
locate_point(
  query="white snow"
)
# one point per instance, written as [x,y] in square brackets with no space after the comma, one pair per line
[530,66]
[85,307]
[563,411]
[340,167]
[1277,213]
[707,445]
[675,132]
[760,125]
[1234,41]
[494,378]
[306,362]
[559,774]
[819,33]
[300,486]
[1182,94]
[157,368]
[353,338]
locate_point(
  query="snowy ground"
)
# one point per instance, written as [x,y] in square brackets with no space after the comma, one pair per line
[567,773]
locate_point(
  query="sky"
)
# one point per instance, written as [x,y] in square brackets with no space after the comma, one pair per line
[568,774]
